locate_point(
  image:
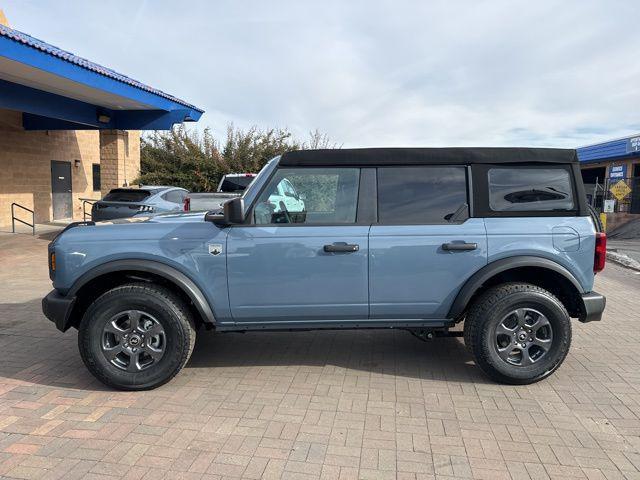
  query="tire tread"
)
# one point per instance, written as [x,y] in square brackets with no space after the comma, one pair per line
[176,305]
[474,324]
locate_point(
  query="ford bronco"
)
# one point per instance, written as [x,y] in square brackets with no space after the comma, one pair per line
[419,239]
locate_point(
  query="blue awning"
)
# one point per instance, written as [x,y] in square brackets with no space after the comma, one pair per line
[57,90]
[610,150]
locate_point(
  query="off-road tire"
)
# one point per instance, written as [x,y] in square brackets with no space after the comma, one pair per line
[489,310]
[169,310]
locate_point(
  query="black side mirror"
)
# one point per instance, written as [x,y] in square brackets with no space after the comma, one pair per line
[232,214]
[234,211]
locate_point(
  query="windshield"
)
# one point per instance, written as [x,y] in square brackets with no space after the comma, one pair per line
[236,184]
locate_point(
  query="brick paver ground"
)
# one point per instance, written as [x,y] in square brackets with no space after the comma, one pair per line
[360,404]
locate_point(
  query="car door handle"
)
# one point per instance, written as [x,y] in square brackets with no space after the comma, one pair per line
[341,247]
[459,246]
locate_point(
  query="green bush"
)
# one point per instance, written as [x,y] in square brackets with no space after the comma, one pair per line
[197,161]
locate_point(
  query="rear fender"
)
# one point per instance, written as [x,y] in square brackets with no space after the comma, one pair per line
[486,273]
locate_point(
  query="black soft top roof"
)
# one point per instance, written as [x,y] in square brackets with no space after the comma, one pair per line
[426,156]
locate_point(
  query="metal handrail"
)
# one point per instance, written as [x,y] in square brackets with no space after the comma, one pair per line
[14,218]
[86,202]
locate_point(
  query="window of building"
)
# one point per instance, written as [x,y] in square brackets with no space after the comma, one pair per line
[309,196]
[95,172]
[422,195]
[530,189]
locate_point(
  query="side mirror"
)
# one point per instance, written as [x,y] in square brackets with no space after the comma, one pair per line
[234,211]
[232,214]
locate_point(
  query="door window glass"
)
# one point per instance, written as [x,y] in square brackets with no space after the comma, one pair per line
[530,189]
[422,195]
[309,196]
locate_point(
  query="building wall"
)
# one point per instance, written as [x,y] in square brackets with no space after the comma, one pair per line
[629,162]
[25,165]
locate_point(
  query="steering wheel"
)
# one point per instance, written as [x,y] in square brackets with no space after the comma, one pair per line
[283,209]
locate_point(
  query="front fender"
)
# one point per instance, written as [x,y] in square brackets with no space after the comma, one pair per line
[173,275]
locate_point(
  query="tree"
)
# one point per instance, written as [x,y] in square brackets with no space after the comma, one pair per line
[197,161]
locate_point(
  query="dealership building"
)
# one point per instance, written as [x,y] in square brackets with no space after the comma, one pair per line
[69,128]
[611,174]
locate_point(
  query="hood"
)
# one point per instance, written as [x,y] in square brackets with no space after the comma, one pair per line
[138,228]
[166,217]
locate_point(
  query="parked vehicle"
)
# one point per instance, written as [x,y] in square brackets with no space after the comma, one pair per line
[145,200]
[415,239]
[231,186]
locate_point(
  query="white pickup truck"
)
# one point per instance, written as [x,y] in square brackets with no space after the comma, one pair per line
[231,186]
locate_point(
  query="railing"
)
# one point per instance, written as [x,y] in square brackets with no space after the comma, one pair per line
[86,202]
[14,218]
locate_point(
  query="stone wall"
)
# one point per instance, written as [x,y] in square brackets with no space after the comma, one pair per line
[25,165]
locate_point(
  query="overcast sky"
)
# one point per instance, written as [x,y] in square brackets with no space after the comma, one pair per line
[367,73]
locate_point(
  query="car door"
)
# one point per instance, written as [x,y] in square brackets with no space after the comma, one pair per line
[305,260]
[424,246]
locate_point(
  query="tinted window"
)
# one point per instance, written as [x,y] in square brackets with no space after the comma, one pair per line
[526,189]
[422,195]
[236,184]
[126,195]
[95,171]
[175,196]
[310,196]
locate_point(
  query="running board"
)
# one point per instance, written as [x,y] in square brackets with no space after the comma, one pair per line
[400,324]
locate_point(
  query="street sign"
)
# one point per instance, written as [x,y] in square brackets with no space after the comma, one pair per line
[633,145]
[620,189]
[609,206]
[618,171]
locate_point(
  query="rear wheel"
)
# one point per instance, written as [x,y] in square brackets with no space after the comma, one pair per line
[518,333]
[136,336]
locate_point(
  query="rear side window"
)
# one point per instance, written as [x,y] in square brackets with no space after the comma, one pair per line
[175,196]
[530,189]
[422,195]
[126,195]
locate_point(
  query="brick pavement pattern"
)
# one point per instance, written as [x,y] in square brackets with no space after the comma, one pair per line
[356,404]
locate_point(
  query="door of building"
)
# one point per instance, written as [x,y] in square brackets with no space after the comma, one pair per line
[61,189]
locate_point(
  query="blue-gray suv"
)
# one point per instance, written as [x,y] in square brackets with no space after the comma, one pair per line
[499,239]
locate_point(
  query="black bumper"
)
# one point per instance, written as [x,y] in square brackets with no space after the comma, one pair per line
[57,308]
[593,306]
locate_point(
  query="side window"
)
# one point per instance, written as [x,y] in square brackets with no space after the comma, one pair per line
[309,196]
[95,171]
[530,189]
[422,195]
[174,196]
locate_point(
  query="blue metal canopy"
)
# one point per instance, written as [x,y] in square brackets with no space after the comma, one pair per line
[612,149]
[57,90]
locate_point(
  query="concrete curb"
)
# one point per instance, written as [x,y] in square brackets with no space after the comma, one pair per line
[624,260]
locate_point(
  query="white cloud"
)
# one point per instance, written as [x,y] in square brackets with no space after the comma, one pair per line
[401,73]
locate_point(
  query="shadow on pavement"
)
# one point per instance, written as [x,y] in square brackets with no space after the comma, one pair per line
[34,351]
[388,352]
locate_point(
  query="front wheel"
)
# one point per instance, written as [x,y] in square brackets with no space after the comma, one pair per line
[518,333]
[136,336]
